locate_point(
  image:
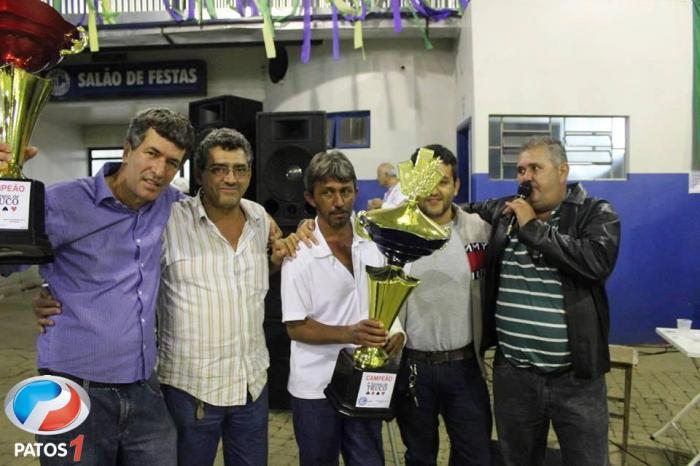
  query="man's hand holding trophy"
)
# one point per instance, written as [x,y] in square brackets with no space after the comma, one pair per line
[33,38]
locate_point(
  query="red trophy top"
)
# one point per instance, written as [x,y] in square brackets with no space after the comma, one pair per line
[32,34]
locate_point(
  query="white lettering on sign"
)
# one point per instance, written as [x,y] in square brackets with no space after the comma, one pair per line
[134,78]
[105,78]
[172,76]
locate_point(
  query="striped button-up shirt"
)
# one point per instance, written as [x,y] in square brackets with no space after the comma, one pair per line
[211,306]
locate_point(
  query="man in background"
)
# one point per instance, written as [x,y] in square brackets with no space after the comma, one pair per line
[387,178]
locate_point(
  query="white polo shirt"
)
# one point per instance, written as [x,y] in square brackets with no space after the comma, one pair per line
[393,197]
[316,285]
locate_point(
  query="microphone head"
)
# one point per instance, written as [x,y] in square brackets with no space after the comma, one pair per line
[525,189]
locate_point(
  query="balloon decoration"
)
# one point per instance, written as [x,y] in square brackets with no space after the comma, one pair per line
[354,12]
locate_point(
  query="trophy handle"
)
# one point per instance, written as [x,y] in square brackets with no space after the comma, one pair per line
[360,222]
[77,44]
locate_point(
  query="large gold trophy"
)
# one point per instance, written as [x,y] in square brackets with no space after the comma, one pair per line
[33,37]
[363,381]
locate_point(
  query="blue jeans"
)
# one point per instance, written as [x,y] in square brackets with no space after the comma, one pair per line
[243,429]
[524,404]
[458,392]
[322,434]
[128,425]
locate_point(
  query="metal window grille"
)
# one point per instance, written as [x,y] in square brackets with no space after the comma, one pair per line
[596,146]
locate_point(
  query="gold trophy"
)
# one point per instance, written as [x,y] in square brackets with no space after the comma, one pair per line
[33,37]
[363,381]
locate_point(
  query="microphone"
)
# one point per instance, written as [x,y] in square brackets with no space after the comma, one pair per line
[524,191]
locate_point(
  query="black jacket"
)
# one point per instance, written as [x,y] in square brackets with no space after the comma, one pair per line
[584,250]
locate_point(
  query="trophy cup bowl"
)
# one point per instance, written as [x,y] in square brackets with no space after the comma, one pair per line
[33,37]
[363,380]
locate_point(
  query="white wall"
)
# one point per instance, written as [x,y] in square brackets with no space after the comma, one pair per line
[62,155]
[408,90]
[599,57]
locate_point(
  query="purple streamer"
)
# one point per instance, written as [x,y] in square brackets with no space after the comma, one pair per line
[240,8]
[396,9]
[191,13]
[336,34]
[254,9]
[436,15]
[306,41]
[172,12]
[464,4]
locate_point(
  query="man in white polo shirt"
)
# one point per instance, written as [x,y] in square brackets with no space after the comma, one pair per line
[325,306]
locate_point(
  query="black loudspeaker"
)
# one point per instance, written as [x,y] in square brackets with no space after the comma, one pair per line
[286,143]
[225,111]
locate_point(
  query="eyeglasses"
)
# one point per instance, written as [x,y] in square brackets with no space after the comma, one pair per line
[239,171]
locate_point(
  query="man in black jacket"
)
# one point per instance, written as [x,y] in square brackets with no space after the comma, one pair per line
[546,309]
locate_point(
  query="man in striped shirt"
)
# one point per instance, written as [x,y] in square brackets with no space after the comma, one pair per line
[546,308]
[212,356]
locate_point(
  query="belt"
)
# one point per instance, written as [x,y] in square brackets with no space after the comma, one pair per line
[440,357]
[88,383]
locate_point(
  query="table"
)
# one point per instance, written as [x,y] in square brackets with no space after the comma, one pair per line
[689,345]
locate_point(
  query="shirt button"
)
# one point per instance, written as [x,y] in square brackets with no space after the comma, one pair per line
[143,321]
[144,346]
[139,292]
[138,240]
[141,264]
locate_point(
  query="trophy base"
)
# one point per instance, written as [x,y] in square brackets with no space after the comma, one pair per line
[23,238]
[362,393]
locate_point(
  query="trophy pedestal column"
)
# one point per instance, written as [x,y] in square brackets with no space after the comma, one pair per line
[362,393]
[23,237]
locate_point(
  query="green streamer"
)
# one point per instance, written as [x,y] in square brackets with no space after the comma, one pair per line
[268,29]
[418,21]
[92,28]
[108,16]
[295,12]
[211,9]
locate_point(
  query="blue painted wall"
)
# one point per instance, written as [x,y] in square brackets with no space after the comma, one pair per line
[657,277]
[367,189]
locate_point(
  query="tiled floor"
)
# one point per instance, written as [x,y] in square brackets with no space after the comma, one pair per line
[662,383]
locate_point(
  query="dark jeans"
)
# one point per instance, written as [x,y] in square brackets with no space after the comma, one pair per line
[322,434]
[525,402]
[129,425]
[243,429]
[458,392]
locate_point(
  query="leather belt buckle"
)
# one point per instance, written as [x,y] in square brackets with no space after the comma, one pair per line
[439,357]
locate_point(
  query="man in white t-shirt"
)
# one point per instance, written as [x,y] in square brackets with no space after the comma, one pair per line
[325,306]
[387,177]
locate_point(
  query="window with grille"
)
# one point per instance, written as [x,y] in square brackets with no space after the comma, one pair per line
[596,146]
[348,130]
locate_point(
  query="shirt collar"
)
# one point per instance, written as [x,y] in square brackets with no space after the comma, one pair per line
[322,249]
[102,190]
